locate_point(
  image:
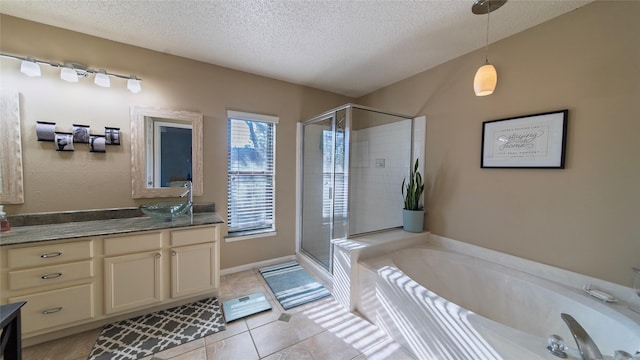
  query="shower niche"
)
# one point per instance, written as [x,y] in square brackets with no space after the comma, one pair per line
[353,160]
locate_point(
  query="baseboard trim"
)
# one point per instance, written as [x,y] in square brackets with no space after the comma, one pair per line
[256,265]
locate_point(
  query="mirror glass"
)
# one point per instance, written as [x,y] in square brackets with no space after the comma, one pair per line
[166,151]
[169,153]
[11,185]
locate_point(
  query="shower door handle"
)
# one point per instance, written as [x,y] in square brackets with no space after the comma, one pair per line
[330,193]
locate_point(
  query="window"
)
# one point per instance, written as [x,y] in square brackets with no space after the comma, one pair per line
[251,173]
[337,194]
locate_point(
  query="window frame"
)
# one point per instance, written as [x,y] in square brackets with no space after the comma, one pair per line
[242,234]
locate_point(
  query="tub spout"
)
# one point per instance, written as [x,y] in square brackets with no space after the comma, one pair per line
[586,346]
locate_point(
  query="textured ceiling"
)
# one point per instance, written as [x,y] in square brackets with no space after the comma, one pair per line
[347,47]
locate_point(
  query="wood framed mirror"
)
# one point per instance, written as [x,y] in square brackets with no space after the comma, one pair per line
[163,156]
[11,180]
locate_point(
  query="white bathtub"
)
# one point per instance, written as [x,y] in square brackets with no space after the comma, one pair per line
[441,304]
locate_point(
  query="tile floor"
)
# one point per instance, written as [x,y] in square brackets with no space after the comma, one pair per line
[319,330]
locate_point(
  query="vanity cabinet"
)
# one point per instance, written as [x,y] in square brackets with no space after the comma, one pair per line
[133,277]
[56,307]
[193,270]
[194,255]
[75,284]
[132,281]
[55,280]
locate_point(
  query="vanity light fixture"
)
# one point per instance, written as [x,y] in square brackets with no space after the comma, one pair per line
[101,78]
[72,72]
[29,67]
[133,84]
[484,83]
[68,73]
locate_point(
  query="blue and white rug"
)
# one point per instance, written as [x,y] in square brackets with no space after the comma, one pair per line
[292,285]
[148,334]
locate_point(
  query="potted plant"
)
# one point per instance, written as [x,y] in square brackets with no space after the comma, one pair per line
[413,213]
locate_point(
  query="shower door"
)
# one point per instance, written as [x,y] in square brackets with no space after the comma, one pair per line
[324,186]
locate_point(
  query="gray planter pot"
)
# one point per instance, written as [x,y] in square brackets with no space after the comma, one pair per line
[413,220]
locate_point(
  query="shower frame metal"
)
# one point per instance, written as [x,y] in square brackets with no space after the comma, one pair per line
[331,114]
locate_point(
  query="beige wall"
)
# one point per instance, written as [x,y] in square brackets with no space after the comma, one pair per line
[56,181]
[583,218]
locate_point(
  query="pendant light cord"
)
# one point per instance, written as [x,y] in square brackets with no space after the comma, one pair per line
[486,56]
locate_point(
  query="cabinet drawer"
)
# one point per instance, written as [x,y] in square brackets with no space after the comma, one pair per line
[194,236]
[49,254]
[52,308]
[132,244]
[22,279]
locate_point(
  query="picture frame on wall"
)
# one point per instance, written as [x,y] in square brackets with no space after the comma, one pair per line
[80,134]
[531,141]
[97,144]
[112,135]
[64,141]
[46,131]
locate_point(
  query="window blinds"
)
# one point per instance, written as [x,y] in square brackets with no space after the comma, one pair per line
[251,172]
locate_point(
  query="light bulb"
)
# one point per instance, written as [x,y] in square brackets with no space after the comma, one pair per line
[102,79]
[484,83]
[133,84]
[67,73]
[29,67]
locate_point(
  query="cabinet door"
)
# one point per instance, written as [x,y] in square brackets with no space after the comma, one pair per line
[193,269]
[132,281]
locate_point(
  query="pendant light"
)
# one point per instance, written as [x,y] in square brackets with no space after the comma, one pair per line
[484,83]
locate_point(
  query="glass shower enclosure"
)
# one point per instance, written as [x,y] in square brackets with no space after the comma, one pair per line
[354,159]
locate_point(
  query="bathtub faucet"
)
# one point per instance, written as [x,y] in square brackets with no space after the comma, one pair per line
[586,346]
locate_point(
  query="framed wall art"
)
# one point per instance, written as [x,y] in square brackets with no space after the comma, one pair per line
[97,144]
[46,131]
[531,141]
[64,141]
[112,135]
[80,134]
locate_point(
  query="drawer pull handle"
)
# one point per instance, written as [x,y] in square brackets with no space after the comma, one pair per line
[157,255]
[51,255]
[52,310]
[51,276]
[173,253]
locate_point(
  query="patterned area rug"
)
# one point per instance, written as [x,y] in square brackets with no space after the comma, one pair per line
[148,334]
[292,285]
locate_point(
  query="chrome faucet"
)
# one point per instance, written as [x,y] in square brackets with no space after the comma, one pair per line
[587,348]
[189,194]
[189,191]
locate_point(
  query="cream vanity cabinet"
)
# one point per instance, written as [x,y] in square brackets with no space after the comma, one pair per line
[193,259]
[76,282]
[56,280]
[132,271]
[140,274]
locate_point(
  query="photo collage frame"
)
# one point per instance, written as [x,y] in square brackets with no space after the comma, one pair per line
[80,134]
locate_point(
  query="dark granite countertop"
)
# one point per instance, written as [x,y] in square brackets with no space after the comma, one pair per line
[80,229]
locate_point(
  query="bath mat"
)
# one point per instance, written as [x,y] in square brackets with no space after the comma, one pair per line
[148,334]
[244,306]
[292,285]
